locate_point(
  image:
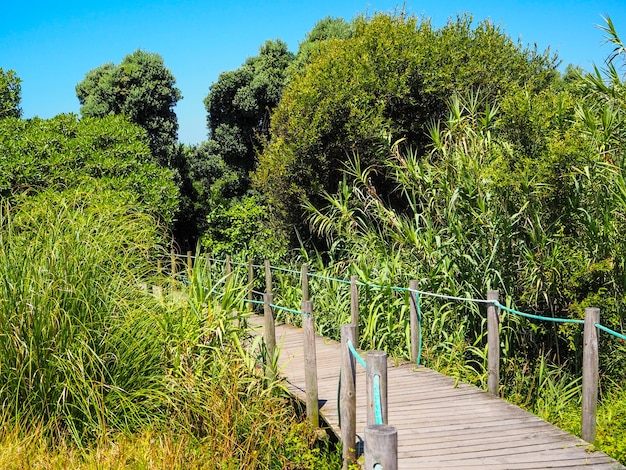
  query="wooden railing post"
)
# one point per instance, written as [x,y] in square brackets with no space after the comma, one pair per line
[354,305]
[590,374]
[250,282]
[189,264]
[493,340]
[173,269]
[414,322]
[347,396]
[229,270]
[270,334]
[381,447]
[376,366]
[268,277]
[310,364]
[305,282]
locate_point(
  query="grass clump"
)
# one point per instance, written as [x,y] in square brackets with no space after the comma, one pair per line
[95,372]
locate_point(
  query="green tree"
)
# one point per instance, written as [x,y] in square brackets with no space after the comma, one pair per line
[385,83]
[240,102]
[65,152]
[10,94]
[142,88]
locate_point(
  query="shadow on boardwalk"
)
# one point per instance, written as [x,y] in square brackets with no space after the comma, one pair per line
[440,424]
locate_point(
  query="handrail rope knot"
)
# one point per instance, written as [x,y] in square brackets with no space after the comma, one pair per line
[418,292]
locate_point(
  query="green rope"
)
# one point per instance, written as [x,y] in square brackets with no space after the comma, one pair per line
[326,278]
[356,354]
[535,317]
[378,408]
[419,327]
[278,307]
[611,332]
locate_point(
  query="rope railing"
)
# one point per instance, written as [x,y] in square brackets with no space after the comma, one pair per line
[494,307]
[406,289]
[356,355]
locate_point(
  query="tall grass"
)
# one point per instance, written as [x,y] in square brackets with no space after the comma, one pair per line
[91,364]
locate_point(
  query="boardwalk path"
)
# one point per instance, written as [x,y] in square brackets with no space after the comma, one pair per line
[440,424]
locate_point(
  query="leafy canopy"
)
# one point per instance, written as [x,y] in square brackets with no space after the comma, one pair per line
[10,94]
[386,82]
[142,88]
[98,153]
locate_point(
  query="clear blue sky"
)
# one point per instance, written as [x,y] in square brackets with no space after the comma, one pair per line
[52,45]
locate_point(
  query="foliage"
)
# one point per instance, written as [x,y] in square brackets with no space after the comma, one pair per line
[92,153]
[141,88]
[77,377]
[242,228]
[69,262]
[323,30]
[387,82]
[10,94]
[240,102]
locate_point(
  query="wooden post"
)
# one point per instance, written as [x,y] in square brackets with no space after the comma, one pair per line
[305,282]
[414,321]
[493,340]
[189,264]
[173,269]
[268,277]
[270,334]
[590,374]
[310,364]
[381,447]
[159,267]
[250,282]
[347,396]
[229,270]
[376,366]
[354,306]
[157,291]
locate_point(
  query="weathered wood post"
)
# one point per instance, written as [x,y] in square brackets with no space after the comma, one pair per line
[376,374]
[347,396]
[305,282]
[381,447]
[354,306]
[493,341]
[173,269]
[159,267]
[270,334]
[414,321]
[590,374]
[310,364]
[268,277]
[189,264]
[250,283]
[229,270]
[157,291]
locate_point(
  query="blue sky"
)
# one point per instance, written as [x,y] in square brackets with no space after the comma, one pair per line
[52,45]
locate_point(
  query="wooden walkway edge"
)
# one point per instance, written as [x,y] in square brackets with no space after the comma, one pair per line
[440,424]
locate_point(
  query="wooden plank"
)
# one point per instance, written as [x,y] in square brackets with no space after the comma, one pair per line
[441,423]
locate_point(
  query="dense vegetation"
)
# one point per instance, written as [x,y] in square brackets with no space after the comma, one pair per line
[384,148]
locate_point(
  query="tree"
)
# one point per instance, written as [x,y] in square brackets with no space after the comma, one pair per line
[240,102]
[385,83]
[142,88]
[10,94]
[95,154]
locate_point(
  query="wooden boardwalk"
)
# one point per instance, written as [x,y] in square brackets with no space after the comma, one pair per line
[440,424]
